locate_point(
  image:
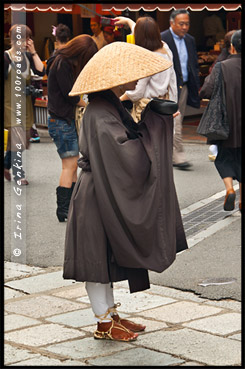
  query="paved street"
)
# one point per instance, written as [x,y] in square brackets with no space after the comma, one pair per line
[48,320]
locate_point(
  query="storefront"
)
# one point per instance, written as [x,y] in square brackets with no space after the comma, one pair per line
[77,17]
[41,17]
[229,14]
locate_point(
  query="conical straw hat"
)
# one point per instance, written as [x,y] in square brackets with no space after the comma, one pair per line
[116,64]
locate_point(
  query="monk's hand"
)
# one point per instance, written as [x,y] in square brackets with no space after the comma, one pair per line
[176,114]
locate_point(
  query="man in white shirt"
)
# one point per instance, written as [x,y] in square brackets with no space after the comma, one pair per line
[97,32]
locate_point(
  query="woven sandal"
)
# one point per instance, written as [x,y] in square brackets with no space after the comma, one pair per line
[108,334]
[133,327]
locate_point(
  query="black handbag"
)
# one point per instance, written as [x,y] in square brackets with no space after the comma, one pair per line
[165,107]
[214,122]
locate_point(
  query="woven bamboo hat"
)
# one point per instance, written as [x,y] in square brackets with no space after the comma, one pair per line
[116,64]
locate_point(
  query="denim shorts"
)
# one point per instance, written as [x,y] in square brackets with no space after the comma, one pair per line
[64,136]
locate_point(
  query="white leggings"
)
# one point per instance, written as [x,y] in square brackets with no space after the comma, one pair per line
[101,298]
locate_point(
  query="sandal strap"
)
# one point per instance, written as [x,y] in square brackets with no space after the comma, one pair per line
[108,311]
[108,333]
[121,321]
[105,334]
[104,316]
[113,309]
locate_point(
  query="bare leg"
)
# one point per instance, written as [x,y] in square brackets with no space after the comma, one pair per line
[69,171]
[74,178]
[228,181]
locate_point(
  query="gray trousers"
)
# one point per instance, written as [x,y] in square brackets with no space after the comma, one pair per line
[178,149]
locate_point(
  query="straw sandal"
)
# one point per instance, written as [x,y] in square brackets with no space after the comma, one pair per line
[113,331]
[133,327]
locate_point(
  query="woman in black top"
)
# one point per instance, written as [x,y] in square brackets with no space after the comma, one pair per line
[62,70]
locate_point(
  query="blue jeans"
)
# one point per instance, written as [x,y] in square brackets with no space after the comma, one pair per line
[64,136]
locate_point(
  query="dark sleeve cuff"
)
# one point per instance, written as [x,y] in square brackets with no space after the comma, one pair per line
[74,99]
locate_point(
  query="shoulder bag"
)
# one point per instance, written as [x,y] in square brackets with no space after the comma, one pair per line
[214,122]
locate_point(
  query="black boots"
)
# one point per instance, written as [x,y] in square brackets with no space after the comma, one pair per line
[63,202]
[72,186]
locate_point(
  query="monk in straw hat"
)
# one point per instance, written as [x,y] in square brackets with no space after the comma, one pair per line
[124,217]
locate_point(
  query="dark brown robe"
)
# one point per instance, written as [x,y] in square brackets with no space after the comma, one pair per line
[124,217]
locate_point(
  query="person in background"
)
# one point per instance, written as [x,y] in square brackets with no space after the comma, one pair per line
[162,85]
[213,30]
[228,160]
[62,71]
[36,82]
[62,35]
[186,67]
[111,34]
[22,57]
[225,52]
[124,217]
[48,47]
[98,36]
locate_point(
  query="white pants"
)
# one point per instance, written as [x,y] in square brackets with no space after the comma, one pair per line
[101,298]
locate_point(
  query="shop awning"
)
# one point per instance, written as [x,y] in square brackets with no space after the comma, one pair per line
[58,8]
[169,7]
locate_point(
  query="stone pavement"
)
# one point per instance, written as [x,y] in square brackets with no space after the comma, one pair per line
[48,322]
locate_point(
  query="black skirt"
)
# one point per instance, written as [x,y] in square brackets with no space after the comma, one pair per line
[228,162]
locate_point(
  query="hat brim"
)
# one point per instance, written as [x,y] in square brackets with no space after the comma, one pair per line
[116,64]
